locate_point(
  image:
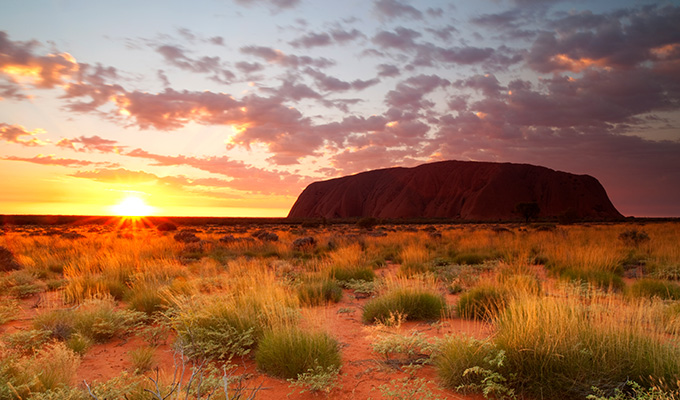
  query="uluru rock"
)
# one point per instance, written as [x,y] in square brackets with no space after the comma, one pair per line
[464,190]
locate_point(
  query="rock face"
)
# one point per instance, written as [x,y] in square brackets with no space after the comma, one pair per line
[462,190]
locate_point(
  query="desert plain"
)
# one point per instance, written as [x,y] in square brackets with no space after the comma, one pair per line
[133,310]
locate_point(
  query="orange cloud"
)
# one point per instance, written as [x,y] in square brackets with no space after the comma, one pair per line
[15,134]
[50,159]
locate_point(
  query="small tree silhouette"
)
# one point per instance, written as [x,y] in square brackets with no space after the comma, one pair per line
[528,210]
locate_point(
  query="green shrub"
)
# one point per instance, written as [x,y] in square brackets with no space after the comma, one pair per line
[456,354]
[482,302]
[473,258]
[560,348]
[79,343]
[346,274]
[634,237]
[407,388]
[414,303]
[8,310]
[602,279]
[100,321]
[26,342]
[634,391]
[23,284]
[403,349]
[97,320]
[147,298]
[655,288]
[317,380]
[319,292]
[143,358]
[51,369]
[213,329]
[290,352]
[360,286]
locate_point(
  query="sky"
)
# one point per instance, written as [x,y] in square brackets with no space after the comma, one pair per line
[231,108]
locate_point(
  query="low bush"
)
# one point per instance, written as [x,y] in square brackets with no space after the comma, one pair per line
[346,274]
[634,237]
[412,302]
[482,302]
[473,258]
[8,310]
[50,369]
[397,349]
[655,288]
[603,279]
[413,259]
[147,298]
[456,354]
[26,341]
[215,330]
[97,320]
[224,326]
[319,292]
[290,352]
[143,358]
[561,348]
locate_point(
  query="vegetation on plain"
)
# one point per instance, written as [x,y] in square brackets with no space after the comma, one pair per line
[566,311]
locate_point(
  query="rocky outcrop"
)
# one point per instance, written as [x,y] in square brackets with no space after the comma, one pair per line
[462,190]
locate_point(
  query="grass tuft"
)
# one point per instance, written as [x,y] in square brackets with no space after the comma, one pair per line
[655,288]
[289,352]
[481,303]
[415,303]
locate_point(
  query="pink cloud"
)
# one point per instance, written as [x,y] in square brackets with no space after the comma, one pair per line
[621,39]
[391,9]
[89,144]
[274,56]
[17,133]
[17,62]
[242,176]
[50,159]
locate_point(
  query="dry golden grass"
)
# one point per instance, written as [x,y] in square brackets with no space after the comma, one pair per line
[558,313]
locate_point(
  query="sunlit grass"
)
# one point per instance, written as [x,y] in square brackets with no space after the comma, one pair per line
[559,326]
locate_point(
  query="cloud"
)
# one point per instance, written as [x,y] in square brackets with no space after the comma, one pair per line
[335,36]
[171,109]
[274,56]
[18,64]
[247,67]
[444,33]
[388,70]
[621,40]
[487,84]
[89,144]
[401,39]
[176,56]
[595,99]
[16,133]
[370,157]
[274,5]
[410,93]
[391,9]
[242,177]
[51,159]
[117,175]
[332,84]
[312,40]
[292,90]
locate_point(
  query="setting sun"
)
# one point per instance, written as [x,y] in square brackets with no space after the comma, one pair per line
[132,207]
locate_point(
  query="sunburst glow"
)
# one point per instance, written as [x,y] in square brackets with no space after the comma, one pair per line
[132,206]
